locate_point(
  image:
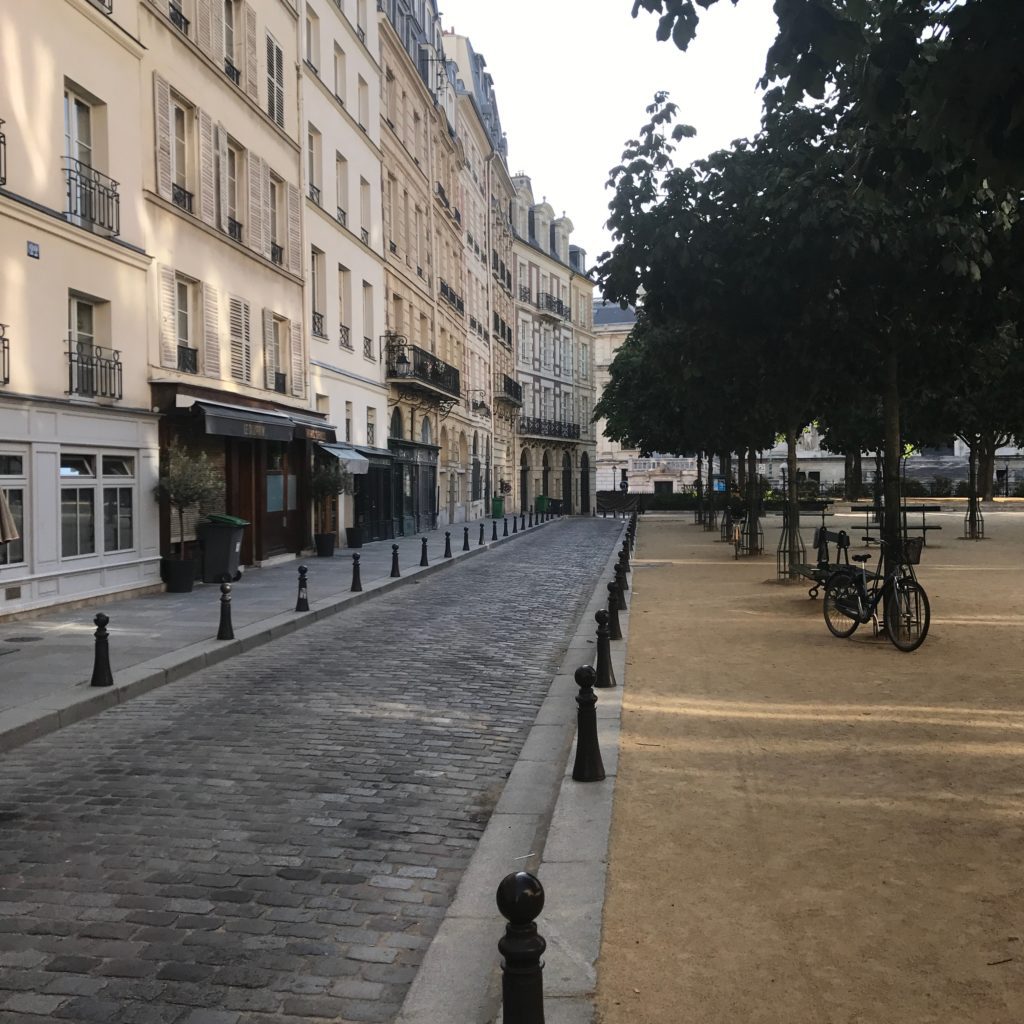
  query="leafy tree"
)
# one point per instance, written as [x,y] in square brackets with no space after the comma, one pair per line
[189,479]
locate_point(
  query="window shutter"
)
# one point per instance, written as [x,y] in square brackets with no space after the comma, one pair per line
[265,211]
[298,361]
[211,332]
[168,329]
[217,33]
[269,351]
[294,231]
[241,340]
[279,80]
[271,91]
[162,121]
[204,26]
[256,225]
[252,67]
[222,177]
[207,178]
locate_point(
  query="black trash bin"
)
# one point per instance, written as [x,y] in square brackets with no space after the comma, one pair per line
[220,540]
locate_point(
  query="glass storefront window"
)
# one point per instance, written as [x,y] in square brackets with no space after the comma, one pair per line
[118,520]
[77,521]
[14,552]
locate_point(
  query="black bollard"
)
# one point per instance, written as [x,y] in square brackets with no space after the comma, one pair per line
[625,555]
[530,521]
[357,581]
[302,604]
[588,766]
[620,568]
[605,672]
[520,900]
[394,562]
[620,582]
[447,544]
[225,631]
[101,674]
[522,521]
[614,626]
[423,553]
[505,533]
[465,538]
[494,529]
[515,524]
[480,543]
[604,513]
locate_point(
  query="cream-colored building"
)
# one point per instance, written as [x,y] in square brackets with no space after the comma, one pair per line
[78,437]
[554,359]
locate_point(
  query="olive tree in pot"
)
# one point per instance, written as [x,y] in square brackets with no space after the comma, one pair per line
[327,482]
[188,479]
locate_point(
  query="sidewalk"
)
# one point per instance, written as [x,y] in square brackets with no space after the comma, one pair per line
[46,662]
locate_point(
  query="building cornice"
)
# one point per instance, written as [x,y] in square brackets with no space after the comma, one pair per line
[109,26]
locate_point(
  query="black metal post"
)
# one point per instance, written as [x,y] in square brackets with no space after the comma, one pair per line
[480,543]
[494,529]
[423,553]
[605,672]
[394,562]
[522,521]
[530,520]
[588,766]
[101,674]
[625,554]
[520,899]
[225,631]
[447,544]
[614,626]
[465,538]
[621,565]
[302,604]
[505,532]
[357,582]
[620,582]
[515,524]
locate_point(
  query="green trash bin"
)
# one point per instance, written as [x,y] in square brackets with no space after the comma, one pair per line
[542,503]
[497,506]
[220,540]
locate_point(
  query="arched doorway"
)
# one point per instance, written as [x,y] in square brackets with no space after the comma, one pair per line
[566,484]
[524,482]
[397,430]
[584,485]
[545,482]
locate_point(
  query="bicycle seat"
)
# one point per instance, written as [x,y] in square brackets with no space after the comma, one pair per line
[861,558]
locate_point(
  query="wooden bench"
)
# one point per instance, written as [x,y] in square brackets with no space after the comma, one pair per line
[825,565]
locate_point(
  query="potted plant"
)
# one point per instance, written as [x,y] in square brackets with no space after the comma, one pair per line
[189,479]
[327,482]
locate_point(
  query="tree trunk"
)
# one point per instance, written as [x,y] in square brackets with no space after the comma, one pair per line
[891,462]
[972,489]
[848,476]
[741,471]
[793,500]
[753,504]
[700,487]
[858,477]
[987,464]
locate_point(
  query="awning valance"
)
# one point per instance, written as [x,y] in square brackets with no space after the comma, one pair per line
[355,463]
[236,421]
[309,429]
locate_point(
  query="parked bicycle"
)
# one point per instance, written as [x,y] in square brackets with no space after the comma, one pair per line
[852,597]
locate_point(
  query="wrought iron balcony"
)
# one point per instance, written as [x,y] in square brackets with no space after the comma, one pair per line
[281,383]
[178,19]
[188,359]
[458,215]
[452,297]
[93,372]
[345,337]
[314,193]
[368,348]
[524,293]
[508,390]
[234,229]
[342,217]
[419,370]
[5,356]
[442,195]
[3,154]
[277,254]
[93,200]
[547,303]
[106,6]
[361,32]
[393,248]
[181,197]
[534,426]
[364,233]
[318,324]
[232,72]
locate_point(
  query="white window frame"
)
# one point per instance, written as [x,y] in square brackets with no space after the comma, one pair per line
[9,483]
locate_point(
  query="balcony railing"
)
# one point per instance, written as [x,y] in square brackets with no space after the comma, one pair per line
[442,195]
[393,248]
[281,383]
[188,359]
[508,390]
[411,364]
[345,336]
[368,348]
[524,293]
[549,304]
[5,356]
[181,197]
[458,215]
[364,234]
[452,297]
[234,229]
[93,201]
[93,372]
[318,324]
[106,6]
[232,72]
[537,427]
[277,254]
[178,19]
[3,154]
[361,32]
[342,217]
[314,193]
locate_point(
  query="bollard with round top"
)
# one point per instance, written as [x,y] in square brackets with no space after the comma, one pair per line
[620,582]
[605,672]
[530,521]
[465,538]
[522,520]
[394,562]
[614,626]
[515,524]
[588,766]
[357,581]
[302,603]
[480,543]
[520,899]
[505,532]
[494,529]
[423,553]
[447,544]
[225,631]
[101,674]
[620,569]
[625,554]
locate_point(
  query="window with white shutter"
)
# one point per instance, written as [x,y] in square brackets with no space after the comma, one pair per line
[298,368]
[168,318]
[275,81]
[211,331]
[252,65]
[240,328]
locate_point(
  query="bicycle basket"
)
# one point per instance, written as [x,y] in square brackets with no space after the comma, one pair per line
[912,547]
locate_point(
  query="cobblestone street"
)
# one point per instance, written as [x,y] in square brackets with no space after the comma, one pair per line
[277,839]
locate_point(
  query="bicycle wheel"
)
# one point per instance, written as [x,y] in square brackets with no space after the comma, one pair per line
[907,614]
[840,605]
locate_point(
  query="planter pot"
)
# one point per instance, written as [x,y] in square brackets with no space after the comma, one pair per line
[179,575]
[324,543]
[354,536]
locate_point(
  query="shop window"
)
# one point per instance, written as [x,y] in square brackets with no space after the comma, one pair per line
[14,485]
[118,519]
[77,521]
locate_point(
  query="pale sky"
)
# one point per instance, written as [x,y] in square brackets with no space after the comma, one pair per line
[573,79]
